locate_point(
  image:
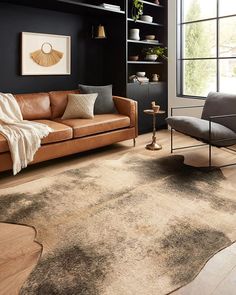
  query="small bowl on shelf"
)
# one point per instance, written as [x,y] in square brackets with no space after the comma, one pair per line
[151,57]
[133,57]
[147,18]
[150,37]
[141,74]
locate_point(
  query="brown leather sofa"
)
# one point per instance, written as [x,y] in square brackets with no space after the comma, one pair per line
[74,135]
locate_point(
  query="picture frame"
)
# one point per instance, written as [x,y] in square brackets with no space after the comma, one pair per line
[45,54]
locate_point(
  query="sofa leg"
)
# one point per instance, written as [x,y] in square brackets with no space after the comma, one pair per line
[134,142]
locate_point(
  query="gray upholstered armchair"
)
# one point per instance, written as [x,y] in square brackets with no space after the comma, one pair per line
[217,126]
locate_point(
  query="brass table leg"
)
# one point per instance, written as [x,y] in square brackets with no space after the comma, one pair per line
[154,146]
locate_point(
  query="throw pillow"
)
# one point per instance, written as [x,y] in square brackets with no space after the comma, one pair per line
[104,103]
[80,106]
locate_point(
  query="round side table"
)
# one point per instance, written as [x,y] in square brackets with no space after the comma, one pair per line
[153,146]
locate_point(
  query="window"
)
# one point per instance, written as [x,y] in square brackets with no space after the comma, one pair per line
[206,56]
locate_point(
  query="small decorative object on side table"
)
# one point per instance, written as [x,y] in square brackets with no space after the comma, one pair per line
[155,111]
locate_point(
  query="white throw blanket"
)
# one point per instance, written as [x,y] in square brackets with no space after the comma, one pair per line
[23,137]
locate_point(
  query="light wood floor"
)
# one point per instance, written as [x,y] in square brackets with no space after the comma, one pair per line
[19,253]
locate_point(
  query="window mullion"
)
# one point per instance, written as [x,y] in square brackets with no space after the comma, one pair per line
[217,48]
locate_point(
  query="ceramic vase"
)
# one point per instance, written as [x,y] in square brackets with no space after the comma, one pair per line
[134,34]
[155,78]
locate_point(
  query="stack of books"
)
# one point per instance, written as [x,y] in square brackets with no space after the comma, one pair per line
[110,6]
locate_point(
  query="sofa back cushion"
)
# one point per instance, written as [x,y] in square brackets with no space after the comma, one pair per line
[218,104]
[34,106]
[59,101]
[104,103]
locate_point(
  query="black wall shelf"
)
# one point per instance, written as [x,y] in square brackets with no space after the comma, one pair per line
[145,42]
[146,23]
[90,6]
[143,62]
[152,3]
[71,6]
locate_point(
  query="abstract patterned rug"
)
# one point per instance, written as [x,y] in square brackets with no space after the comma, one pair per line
[132,226]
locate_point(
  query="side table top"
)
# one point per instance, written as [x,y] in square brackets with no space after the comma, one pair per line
[151,112]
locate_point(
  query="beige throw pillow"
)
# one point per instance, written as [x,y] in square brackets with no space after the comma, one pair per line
[80,106]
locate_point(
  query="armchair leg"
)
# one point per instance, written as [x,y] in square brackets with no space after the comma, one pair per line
[134,142]
[210,155]
[171,140]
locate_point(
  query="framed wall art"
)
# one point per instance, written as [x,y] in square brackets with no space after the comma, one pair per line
[45,54]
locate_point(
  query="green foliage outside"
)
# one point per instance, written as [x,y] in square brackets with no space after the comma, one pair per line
[234,71]
[197,44]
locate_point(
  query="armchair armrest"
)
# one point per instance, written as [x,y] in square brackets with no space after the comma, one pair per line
[210,128]
[222,116]
[127,107]
[184,107]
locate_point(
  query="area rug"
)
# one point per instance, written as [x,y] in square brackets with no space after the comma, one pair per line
[132,226]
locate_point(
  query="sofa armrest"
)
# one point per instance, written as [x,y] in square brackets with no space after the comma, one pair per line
[127,107]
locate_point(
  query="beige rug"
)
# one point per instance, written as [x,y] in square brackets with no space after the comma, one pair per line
[132,226]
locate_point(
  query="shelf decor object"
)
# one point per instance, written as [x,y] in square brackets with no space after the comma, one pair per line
[151,57]
[110,6]
[133,58]
[100,33]
[155,78]
[147,18]
[45,54]
[152,53]
[150,37]
[134,34]
[137,9]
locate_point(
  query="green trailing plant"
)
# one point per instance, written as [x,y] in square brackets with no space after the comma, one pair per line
[137,9]
[161,52]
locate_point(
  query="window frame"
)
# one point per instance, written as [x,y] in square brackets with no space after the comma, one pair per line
[179,49]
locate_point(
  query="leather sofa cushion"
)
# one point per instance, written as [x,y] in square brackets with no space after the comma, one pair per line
[3,144]
[59,101]
[61,132]
[34,106]
[100,123]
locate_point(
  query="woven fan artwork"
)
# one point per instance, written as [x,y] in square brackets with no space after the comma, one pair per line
[46,56]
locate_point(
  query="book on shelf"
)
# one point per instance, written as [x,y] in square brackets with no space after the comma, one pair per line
[110,6]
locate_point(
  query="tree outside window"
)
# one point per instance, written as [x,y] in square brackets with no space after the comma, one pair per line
[207,48]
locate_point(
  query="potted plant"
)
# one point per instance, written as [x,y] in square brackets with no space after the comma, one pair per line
[153,53]
[137,9]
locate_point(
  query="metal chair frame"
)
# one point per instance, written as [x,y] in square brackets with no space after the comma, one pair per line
[209,143]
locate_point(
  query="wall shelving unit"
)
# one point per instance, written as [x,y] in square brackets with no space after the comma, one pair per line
[147,92]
